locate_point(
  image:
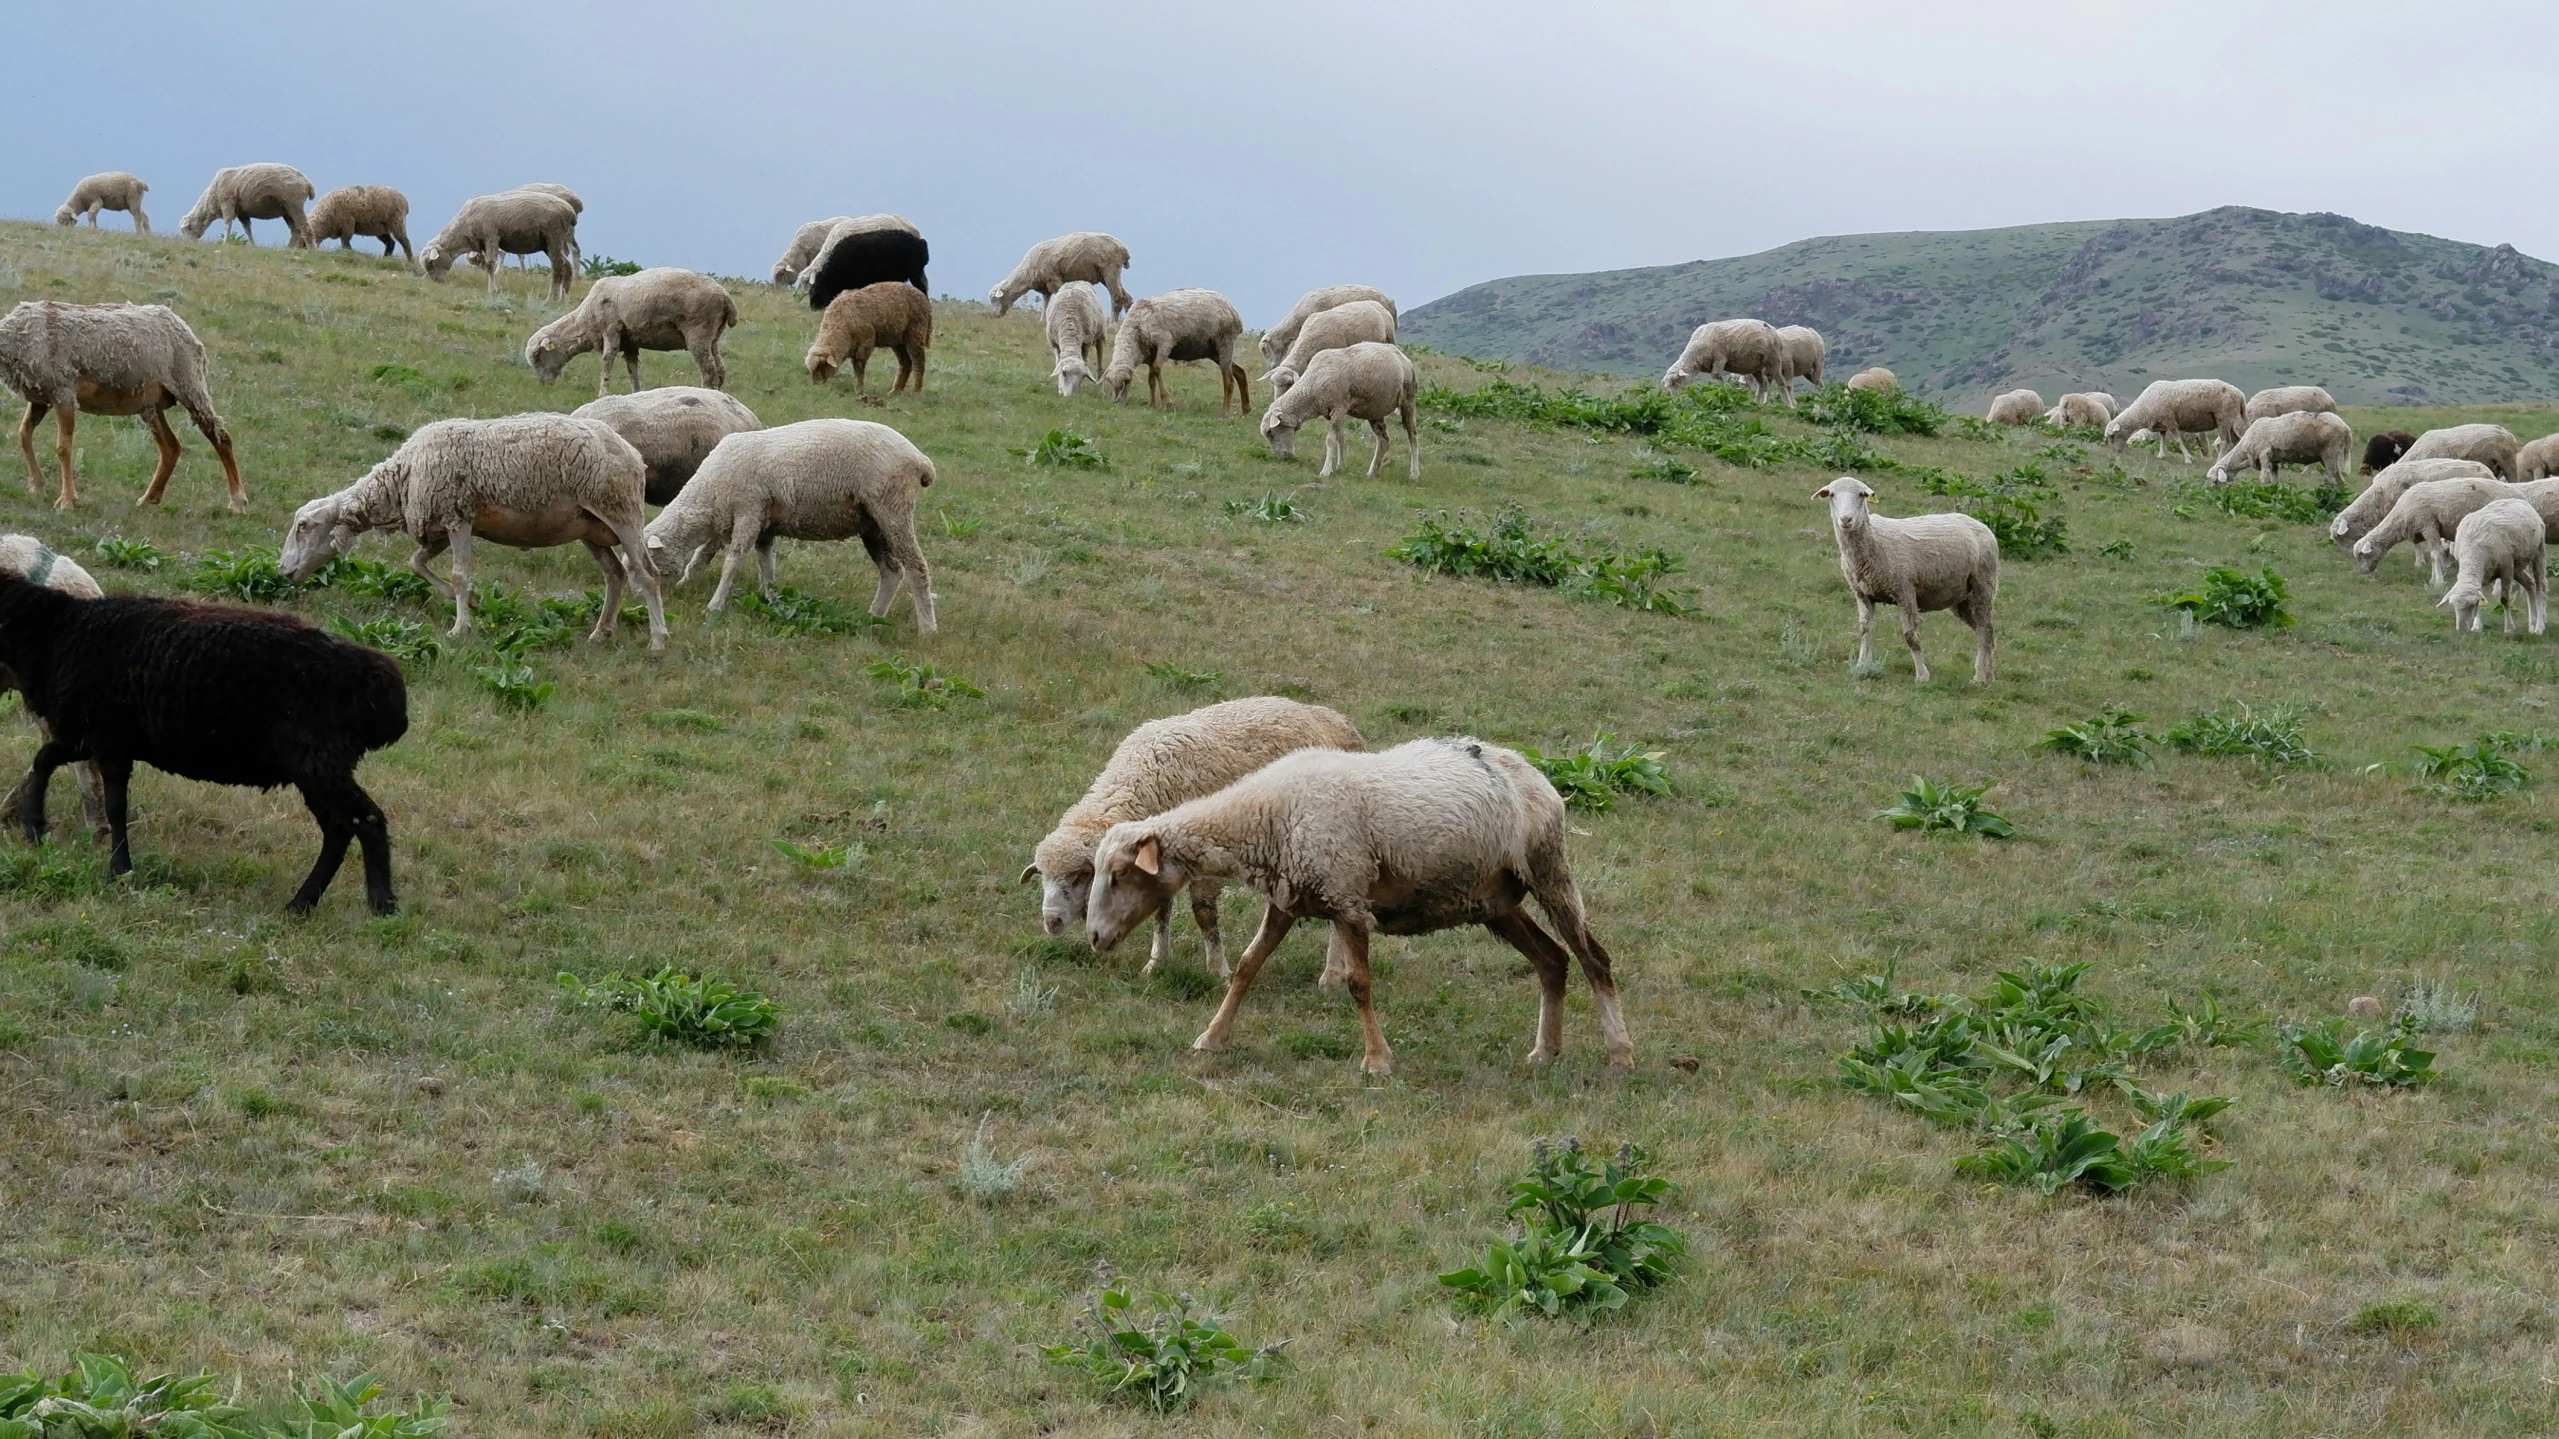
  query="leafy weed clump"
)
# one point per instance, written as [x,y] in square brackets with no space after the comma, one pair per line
[249,574]
[124,554]
[1270,509]
[1928,805]
[690,1009]
[1581,1250]
[1174,677]
[1875,412]
[917,683]
[2481,770]
[2111,736]
[2234,599]
[2271,736]
[1512,550]
[822,856]
[401,639]
[1062,449]
[2260,500]
[360,576]
[795,612]
[513,686]
[1164,1360]
[596,267]
[1593,776]
[2385,1059]
[2023,530]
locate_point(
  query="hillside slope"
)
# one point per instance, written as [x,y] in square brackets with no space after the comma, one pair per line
[2253,296]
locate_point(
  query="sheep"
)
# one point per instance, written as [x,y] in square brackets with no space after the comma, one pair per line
[1923,563]
[1163,763]
[1276,340]
[206,692]
[1748,349]
[28,558]
[2083,411]
[577,206]
[806,241]
[2293,437]
[664,308]
[106,190]
[1342,326]
[2366,510]
[1368,381]
[2538,460]
[528,481]
[2016,407]
[252,192]
[1078,334]
[674,427]
[839,228]
[2492,445]
[516,222]
[2427,514]
[890,315]
[867,257]
[1087,255]
[1430,835]
[1877,378]
[2500,543]
[2386,449]
[2287,400]
[1805,354]
[376,212]
[2176,408]
[110,360]
[1179,325]
[816,480]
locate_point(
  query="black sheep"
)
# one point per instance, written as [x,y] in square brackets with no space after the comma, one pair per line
[2383,450]
[207,692]
[869,258]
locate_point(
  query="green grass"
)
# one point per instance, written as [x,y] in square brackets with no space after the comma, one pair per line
[218,1156]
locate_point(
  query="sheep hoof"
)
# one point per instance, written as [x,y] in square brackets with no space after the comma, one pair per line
[66,504]
[1378,1066]
[1207,1043]
[1621,1059]
[1541,1056]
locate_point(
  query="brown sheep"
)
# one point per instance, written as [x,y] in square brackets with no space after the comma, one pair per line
[377,212]
[2386,449]
[891,315]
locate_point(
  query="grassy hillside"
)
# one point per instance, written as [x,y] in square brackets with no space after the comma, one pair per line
[2253,296]
[219,1152]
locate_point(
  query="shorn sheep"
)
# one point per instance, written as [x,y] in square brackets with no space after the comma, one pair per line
[2366,510]
[2427,515]
[868,257]
[1175,326]
[2291,437]
[816,480]
[252,192]
[657,309]
[577,206]
[517,222]
[2386,449]
[1877,378]
[1359,322]
[1086,255]
[1749,350]
[1805,355]
[2287,400]
[376,212]
[1078,335]
[2082,411]
[891,316]
[2174,409]
[110,360]
[1368,381]
[2538,460]
[2492,445]
[528,481]
[842,227]
[1431,835]
[106,190]
[1163,763]
[1923,563]
[2016,407]
[2502,544]
[674,427]
[206,692]
[1276,340]
[28,558]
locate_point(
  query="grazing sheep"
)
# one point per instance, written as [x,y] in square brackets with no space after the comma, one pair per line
[2083,411]
[516,222]
[867,257]
[2500,543]
[657,309]
[110,360]
[529,481]
[2492,445]
[806,241]
[1427,836]
[206,692]
[2291,437]
[2016,407]
[842,227]
[2366,510]
[1877,378]
[27,558]
[1078,333]
[1923,563]
[1174,326]
[1087,255]
[2174,409]
[1163,763]
[577,206]
[674,427]
[816,480]
[1805,355]
[1747,349]
[1276,340]
[890,315]
[2287,400]
[2386,449]
[106,190]
[2538,460]
[252,192]
[1359,322]
[2427,514]
[377,212]
[1368,381]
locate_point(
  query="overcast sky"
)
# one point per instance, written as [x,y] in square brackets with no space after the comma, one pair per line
[1419,145]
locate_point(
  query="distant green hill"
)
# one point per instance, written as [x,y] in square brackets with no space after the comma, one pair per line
[2251,296]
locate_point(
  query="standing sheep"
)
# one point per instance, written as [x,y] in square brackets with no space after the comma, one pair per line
[1087,255]
[1747,349]
[1078,334]
[2386,449]
[657,309]
[2287,400]
[2428,515]
[576,205]
[2366,510]
[377,212]
[1359,322]
[2016,407]
[528,481]
[1877,378]
[841,228]
[252,192]
[2538,460]
[867,257]
[816,480]
[1175,326]
[2087,410]
[2492,445]
[1369,381]
[2290,437]
[2501,543]
[1926,562]
[107,190]
[110,360]
[1276,340]
[517,222]
[806,241]
[890,315]
[674,427]
[2174,409]
[1805,355]
[27,558]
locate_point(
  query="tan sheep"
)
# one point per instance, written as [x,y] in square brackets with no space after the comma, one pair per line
[517,222]
[2289,437]
[2427,515]
[1276,340]
[1359,322]
[2502,543]
[1805,355]
[1175,326]
[2016,407]
[2086,410]
[107,190]
[2288,400]
[891,315]
[1877,378]
[657,309]
[1922,563]
[1751,350]
[2366,510]
[377,212]
[110,360]
[2492,445]
[2174,409]
[1087,255]
[2538,460]
[674,427]
[1367,381]
[1078,333]
[252,192]
[806,241]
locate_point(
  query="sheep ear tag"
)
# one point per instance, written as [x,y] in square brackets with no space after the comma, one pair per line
[1150,856]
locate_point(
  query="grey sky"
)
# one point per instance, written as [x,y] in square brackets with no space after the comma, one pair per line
[1262,149]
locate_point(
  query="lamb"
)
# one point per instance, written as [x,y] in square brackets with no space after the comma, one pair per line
[1805,354]
[816,480]
[2175,409]
[1179,325]
[28,558]
[1276,340]
[1748,349]
[1087,255]
[2366,510]
[1078,333]
[2492,445]
[377,212]
[889,315]
[110,360]
[867,257]
[529,481]
[2538,460]
[2287,400]
[2500,543]
[206,692]
[2016,407]
[517,222]
[1358,322]
[1163,763]
[252,192]
[2386,449]
[106,190]
[1926,562]
[1430,835]
[1877,378]
[2428,514]
[674,427]
[838,229]
[1368,381]
[664,308]
[2083,411]
[2293,437]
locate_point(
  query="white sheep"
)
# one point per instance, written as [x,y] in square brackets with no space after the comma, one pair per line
[1747,349]
[2427,514]
[835,232]
[376,212]
[1087,255]
[577,206]
[2492,445]
[674,427]
[1276,340]
[1923,563]
[106,190]
[1163,763]
[1877,378]
[528,481]
[2291,437]
[2500,543]
[1431,835]
[30,559]
[1174,326]
[2086,410]
[1805,355]
[1078,331]
[2016,407]
[664,308]
[2174,409]
[2365,511]
[806,241]
[2538,460]
[110,360]
[816,480]
[1359,322]
[1368,381]
[515,222]
[244,193]
[2287,400]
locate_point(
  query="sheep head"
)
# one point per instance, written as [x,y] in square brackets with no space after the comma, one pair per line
[195,224]
[1132,879]
[1279,431]
[2367,555]
[657,551]
[2118,434]
[822,363]
[2219,474]
[1063,897]
[2464,599]
[1281,379]
[321,531]
[1115,380]
[1847,496]
[783,274]
[1001,300]
[1071,374]
[436,260]
[65,216]
[1676,378]
[548,352]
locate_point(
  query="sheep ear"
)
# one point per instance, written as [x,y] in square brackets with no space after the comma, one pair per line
[1823,493]
[1150,855]
[1029,872]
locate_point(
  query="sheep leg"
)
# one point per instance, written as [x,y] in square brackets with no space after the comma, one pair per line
[1976,612]
[1547,957]
[764,572]
[1243,389]
[50,756]
[631,362]
[2537,595]
[373,831]
[1160,948]
[458,538]
[328,806]
[157,421]
[613,581]
[1332,445]
[1378,461]
[117,774]
[427,550]
[1865,629]
[65,417]
[1909,606]
[706,358]
[27,444]
[635,550]
[1412,441]
[218,435]
[1204,914]
[1351,938]
[899,535]
[1276,923]
[745,532]
[93,791]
